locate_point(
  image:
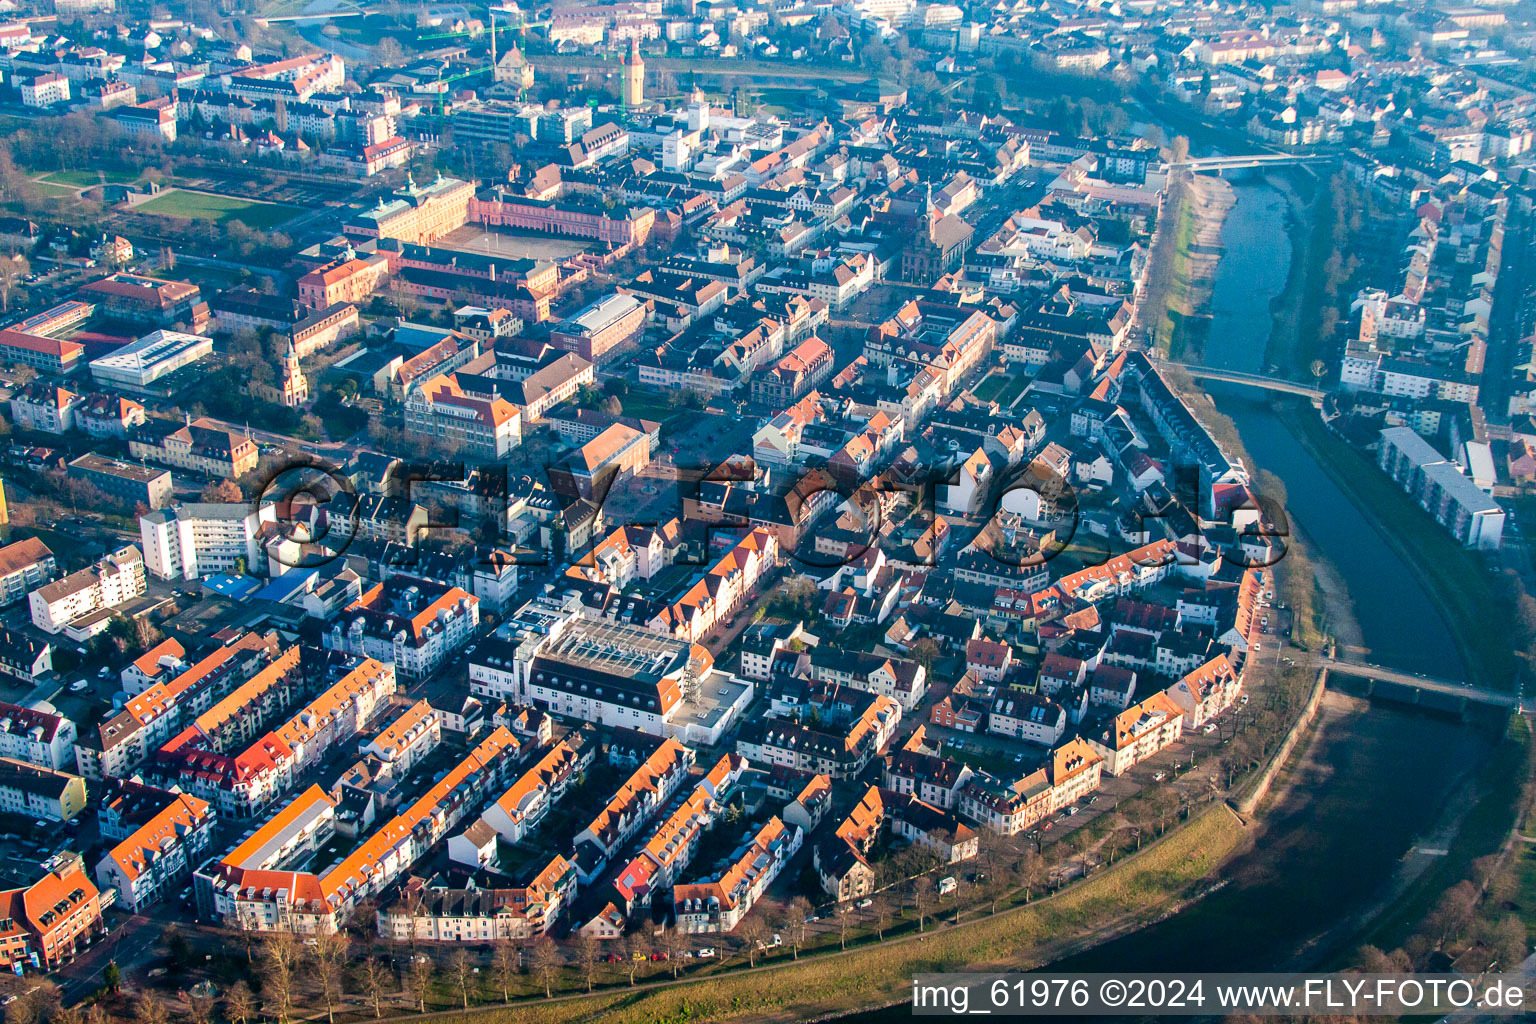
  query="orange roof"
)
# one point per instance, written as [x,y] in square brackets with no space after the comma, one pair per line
[135,853]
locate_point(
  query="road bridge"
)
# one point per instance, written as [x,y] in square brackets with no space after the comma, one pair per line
[1421,684]
[1243,161]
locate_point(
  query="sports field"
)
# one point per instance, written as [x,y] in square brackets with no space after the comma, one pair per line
[207,206]
[85,179]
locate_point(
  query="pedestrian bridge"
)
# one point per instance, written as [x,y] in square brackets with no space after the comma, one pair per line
[1256,380]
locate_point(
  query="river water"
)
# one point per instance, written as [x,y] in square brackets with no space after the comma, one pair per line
[1378,777]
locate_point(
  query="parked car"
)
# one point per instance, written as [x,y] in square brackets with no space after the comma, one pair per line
[1159,776]
[611,958]
[1210,727]
[865,904]
[706,953]
[661,955]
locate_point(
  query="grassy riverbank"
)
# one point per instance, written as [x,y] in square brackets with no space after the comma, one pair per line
[1133,892]
[1456,579]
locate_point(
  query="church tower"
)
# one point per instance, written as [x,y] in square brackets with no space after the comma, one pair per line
[295,385]
[632,93]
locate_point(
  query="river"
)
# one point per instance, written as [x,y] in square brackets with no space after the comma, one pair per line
[1377,777]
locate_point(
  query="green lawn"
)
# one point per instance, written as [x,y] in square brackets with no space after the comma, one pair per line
[206,206]
[1015,388]
[992,386]
[85,179]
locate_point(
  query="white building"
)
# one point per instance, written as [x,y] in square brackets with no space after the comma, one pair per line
[45,90]
[158,858]
[74,601]
[141,363]
[198,539]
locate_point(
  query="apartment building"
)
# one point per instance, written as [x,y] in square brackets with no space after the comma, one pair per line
[127,482]
[174,695]
[405,741]
[25,565]
[149,301]
[1070,772]
[249,889]
[851,727]
[241,783]
[1138,732]
[157,859]
[1441,488]
[344,280]
[45,407]
[412,622]
[670,849]
[33,791]
[636,801]
[518,811]
[81,602]
[38,737]
[426,913]
[718,906]
[54,919]
[192,540]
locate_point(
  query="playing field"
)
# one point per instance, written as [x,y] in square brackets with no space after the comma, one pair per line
[207,206]
[85,179]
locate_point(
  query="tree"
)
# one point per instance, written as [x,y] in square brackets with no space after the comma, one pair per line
[150,1009]
[880,910]
[112,977]
[671,942]
[752,932]
[795,923]
[547,963]
[239,1003]
[223,492]
[506,961]
[199,1007]
[330,952]
[463,974]
[280,959]
[12,269]
[922,899]
[587,952]
[375,975]
[636,951]
[67,1015]
[420,980]
[844,912]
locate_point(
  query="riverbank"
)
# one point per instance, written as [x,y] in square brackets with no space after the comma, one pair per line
[1179,304]
[1135,892]
[1456,580]
[1283,350]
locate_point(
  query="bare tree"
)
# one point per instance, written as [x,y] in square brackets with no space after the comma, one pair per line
[329,955]
[547,964]
[587,953]
[922,899]
[844,912]
[239,1003]
[506,961]
[279,964]
[881,911]
[375,976]
[637,949]
[12,269]
[149,1008]
[752,932]
[795,922]
[671,942]
[199,1008]
[421,980]
[463,974]
[67,1015]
